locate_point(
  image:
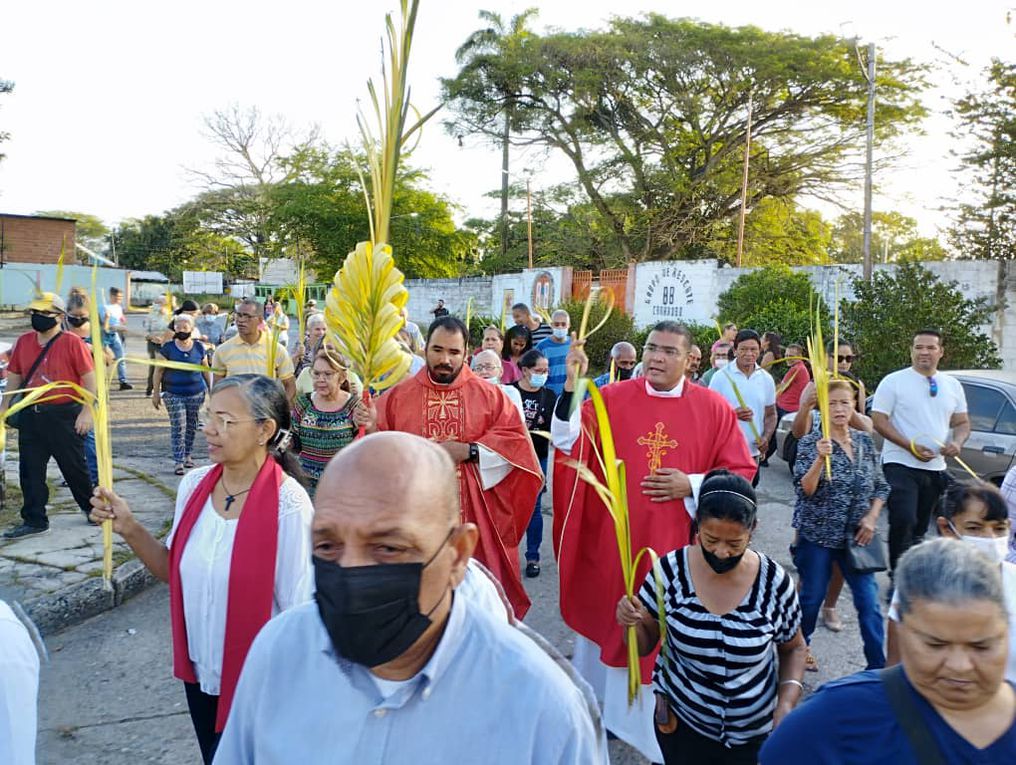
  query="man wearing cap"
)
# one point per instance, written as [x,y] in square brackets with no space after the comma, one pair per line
[57,427]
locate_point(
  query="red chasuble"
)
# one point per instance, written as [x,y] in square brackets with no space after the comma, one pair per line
[473,411]
[695,433]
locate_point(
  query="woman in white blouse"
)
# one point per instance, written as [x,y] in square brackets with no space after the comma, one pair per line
[249,508]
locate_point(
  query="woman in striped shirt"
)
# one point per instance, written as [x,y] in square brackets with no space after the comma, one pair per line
[720,686]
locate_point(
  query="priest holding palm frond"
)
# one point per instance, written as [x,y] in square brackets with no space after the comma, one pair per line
[669,434]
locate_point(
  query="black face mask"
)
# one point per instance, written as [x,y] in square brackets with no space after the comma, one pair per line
[43,323]
[721,565]
[77,321]
[624,374]
[181,336]
[372,613]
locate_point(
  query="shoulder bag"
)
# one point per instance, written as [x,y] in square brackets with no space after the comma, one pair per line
[908,716]
[869,558]
[14,420]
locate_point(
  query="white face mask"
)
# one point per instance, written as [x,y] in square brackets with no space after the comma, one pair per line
[493,380]
[560,332]
[720,363]
[994,548]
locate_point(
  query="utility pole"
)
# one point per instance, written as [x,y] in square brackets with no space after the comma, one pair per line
[504,183]
[744,184]
[112,248]
[869,148]
[529,218]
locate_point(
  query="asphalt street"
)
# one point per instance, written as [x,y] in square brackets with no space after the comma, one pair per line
[108,697]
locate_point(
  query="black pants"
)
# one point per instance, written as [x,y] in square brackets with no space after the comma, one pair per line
[913,497]
[203,709]
[48,431]
[687,747]
[153,353]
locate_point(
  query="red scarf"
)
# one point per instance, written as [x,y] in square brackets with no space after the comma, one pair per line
[251,577]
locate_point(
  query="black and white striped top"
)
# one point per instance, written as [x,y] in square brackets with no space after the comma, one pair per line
[720,672]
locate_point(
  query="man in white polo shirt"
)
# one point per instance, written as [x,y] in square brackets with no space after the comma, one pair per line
[914,409]
[758,414]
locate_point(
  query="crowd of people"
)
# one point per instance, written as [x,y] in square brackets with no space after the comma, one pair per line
[346,583]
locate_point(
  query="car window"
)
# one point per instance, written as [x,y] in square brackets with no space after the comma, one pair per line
[983,405]
[1007,420]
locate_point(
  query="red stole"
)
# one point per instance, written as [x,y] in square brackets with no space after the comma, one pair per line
[695,433]
[471,410]
[251,577]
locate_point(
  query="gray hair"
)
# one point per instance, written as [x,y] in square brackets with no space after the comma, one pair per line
[561,312]
[493,353]
[947,571]
[621,346]
[183,317]
[314,319]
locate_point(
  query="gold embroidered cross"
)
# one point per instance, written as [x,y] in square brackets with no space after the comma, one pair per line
[440,404]
[658,442]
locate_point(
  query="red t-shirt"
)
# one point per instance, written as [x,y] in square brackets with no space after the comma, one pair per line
[794,382]
[68,359]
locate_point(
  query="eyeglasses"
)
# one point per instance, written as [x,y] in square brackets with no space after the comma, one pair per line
[222,423]
[845,359]
[932,386]
[485,368]
[667,350]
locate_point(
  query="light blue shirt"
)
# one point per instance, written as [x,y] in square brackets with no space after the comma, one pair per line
[488,695]
[556,354]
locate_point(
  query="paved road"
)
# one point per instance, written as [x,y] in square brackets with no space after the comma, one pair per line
[108,697]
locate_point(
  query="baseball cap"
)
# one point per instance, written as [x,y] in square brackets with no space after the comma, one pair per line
[48,301]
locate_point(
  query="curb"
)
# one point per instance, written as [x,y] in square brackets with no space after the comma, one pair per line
[74,604]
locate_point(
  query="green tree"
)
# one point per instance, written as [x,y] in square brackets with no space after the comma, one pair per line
[89,230]
[322,208]
[892,306]
[986,227]
[481,57]
[776,231]
[6,86]
[773,299]
[619,326]
[894,238]
[652,114]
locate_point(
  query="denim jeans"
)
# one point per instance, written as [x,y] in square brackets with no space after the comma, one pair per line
[814,564]
[534,532]
[112,341]
[90,458]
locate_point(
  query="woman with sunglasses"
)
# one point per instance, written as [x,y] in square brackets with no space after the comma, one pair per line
[239,550]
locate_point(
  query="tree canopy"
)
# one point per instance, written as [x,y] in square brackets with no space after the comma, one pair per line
[652,113]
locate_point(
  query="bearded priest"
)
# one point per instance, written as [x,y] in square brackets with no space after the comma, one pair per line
[480,428]
[669,433]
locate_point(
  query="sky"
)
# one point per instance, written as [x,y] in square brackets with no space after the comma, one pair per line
[107,112]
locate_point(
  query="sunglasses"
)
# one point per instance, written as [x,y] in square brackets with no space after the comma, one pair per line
[932,386]
[845,359]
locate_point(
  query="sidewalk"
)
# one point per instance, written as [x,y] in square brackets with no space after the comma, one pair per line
[57,577]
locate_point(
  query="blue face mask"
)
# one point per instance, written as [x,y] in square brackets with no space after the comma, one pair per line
[560,332]
[538,380]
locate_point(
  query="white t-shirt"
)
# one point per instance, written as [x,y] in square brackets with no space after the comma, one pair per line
[758,391]
[204,571]
[1009,592]
[905,396]
[19,690]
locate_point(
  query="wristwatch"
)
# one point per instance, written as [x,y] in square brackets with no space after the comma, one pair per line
[474,453]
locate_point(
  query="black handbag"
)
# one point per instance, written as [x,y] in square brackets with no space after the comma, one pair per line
[14,420]
[870,558]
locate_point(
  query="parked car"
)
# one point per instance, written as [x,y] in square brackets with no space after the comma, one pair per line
[991,404]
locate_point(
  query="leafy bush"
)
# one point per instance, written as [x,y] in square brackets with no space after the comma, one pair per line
[620,326]
[478,323]
[893,305]
[704,335]
[773,299]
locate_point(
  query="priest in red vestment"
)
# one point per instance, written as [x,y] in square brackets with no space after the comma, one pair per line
[480,428]
[669,433]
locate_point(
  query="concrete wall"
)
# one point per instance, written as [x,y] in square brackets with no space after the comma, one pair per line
[18,281]
[424,294]
[28,239]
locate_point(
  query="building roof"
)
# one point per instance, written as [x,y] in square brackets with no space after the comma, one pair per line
[37,217]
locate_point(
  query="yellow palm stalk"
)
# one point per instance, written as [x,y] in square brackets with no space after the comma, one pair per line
[469,315]
[583,334]
[614,495]
[60,266]
[363,307]
[301,301]
[836,331]
[100,418]
[273,347]
[821,376]
[740,403]
[613,370]
[42,394]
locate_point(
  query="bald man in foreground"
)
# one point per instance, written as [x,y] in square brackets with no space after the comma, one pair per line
[390,665]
